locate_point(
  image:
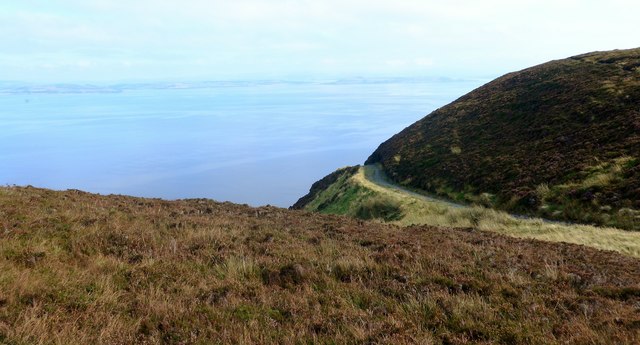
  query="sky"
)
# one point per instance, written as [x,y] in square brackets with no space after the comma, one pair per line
[180,40]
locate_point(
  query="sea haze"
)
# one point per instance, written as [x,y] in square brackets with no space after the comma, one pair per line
[246,142]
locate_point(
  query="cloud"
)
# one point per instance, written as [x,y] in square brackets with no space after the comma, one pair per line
[261,38]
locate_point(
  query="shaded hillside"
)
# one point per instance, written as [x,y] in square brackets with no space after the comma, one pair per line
[83,268]
[561,140]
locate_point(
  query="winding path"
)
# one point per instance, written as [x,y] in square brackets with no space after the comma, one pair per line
[626,242]
[375,174]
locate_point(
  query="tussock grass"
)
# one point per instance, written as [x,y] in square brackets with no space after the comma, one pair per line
[589,197]
[379,207]
[77,268]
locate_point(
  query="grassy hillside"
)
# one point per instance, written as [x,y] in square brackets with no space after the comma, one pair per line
[559,140]
[318,187]
[82,268]
[357,196]
[338,193]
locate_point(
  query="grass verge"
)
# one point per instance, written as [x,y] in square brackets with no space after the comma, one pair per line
[416,211]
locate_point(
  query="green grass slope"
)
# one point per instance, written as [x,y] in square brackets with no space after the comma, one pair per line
[77,268]
[320,186]
[338,193]
[357,195]
[559,140]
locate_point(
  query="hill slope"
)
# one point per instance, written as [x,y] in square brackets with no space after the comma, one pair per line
[560,140]
[367,194]
[83,268]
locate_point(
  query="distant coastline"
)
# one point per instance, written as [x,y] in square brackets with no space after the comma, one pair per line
[16,87]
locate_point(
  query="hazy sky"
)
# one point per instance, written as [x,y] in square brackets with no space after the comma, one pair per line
[118,40]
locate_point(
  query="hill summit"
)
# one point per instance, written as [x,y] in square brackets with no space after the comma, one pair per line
[559,140]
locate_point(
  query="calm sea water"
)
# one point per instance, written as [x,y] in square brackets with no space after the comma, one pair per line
[246,143]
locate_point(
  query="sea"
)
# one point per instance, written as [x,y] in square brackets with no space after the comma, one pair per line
[248,142]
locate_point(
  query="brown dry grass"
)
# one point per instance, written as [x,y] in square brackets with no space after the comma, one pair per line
[80,268]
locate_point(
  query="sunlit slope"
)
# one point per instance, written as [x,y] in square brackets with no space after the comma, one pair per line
[362,196]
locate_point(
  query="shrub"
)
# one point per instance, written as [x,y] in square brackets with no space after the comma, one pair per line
[379,207]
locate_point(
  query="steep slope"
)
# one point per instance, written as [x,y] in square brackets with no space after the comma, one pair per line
[561,140]
[321,185]
[83,268]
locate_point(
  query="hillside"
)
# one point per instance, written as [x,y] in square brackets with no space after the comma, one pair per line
[83,268]
[559,140]
[366,193]
[323,184]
